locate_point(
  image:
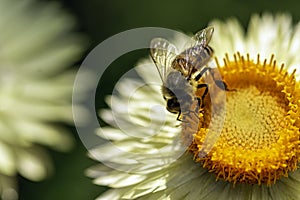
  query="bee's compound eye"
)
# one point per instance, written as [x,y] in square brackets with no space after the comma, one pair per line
[173,105]
[172,102]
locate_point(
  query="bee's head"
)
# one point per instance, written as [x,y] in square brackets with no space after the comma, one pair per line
[173,105]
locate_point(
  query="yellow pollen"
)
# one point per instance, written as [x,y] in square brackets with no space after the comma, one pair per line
[259,140]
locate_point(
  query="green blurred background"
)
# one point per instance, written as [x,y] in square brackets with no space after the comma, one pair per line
[100,19]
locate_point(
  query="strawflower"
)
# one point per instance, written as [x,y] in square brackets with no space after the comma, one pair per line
[256,155]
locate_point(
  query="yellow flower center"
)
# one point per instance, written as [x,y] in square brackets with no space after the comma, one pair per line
[259,141]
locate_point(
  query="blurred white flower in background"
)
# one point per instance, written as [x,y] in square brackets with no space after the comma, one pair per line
[36,50]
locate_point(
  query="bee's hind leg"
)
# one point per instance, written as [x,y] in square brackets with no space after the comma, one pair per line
[202,85]
[221,84]
[200,105]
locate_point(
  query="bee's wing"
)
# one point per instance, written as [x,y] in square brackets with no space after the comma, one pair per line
[204,36]
[163,53]
[201,38]
[195,46]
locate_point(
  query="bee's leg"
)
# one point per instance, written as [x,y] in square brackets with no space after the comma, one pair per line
[179,117]
[199,102]
[199,106]
[221,84]
[201,73]
[205,92]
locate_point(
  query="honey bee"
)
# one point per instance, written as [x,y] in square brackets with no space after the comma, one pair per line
[180,73]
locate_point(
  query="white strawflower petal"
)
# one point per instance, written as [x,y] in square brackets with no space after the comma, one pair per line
[43,134]
[119,180]
[7,161]
[149,76]
[112,134]
[30,164]
[7,189]
[112,195]
[232,30]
